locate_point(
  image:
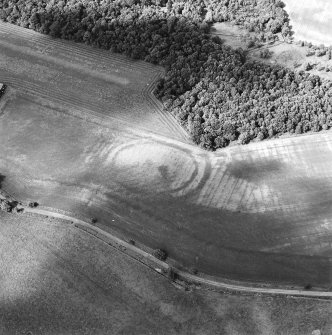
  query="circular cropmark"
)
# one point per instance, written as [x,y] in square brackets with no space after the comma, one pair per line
[155,167]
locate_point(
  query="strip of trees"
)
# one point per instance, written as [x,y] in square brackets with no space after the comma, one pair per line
[215,92]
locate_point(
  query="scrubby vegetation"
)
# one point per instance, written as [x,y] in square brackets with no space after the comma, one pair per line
[5,205]
[160,254]
[215,92]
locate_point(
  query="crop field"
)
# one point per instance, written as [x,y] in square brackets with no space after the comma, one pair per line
[84,140]
[55,279]
[311,20]
[114,88]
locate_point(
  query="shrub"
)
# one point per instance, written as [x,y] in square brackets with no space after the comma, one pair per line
[160,254]
[310,53]
[320,52]
[265,53]
[5,206]
[250,44]
[307,66]
[193,271]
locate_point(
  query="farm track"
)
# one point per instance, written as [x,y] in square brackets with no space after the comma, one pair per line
[147,96]
[144,257]
[169,118]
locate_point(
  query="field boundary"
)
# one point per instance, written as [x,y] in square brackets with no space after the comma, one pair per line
[168,119]
[162,267]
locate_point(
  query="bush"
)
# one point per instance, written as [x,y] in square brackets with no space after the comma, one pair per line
[307,66]
[160,254]
[310,53]
[132,242]
[5,206]
[320,52]
[193,271]
[93,220]
[265,53]
[250,44]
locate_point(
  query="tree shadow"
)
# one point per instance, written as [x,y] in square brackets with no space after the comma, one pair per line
[2,179]
[255,169]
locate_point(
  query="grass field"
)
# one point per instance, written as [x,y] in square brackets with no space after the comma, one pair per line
[311,20]
[84,140]
[56,279]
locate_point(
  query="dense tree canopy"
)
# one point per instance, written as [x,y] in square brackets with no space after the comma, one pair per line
[214,91]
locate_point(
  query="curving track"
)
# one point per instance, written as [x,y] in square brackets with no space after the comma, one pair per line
[146,258]
[95,141]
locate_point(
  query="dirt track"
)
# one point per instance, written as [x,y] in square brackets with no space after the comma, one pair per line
[86,142]
[145,257]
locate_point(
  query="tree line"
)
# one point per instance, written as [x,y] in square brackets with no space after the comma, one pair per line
[215,92]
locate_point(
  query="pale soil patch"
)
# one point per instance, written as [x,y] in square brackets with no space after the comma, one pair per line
[57,280]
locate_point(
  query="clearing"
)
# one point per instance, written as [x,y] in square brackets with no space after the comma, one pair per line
[290,55]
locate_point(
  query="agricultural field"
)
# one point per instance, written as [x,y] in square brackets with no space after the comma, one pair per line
[311,20]
[56,279]
[91,140]
[64,75]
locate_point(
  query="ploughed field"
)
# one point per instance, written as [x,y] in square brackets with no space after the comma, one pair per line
[81,132]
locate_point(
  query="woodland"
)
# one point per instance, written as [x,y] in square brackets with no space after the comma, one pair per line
[215,92]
